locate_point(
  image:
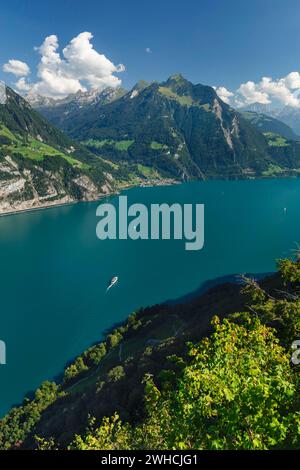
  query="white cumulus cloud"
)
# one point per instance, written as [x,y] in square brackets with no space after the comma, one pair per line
[292,80]
[22,85]
[16,67]
[79,67]
[224,94]
[279,90]
[251,93]
[282,91]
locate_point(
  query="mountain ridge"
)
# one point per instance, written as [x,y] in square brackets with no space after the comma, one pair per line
[288,115]
[267,123]
[154,133]
[183,131]
[41,166]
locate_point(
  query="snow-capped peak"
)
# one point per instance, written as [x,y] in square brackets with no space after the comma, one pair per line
[78,99]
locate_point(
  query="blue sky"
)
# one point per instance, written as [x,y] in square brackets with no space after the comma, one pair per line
[217,42]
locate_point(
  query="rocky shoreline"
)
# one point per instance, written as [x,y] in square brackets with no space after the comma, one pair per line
[36,204]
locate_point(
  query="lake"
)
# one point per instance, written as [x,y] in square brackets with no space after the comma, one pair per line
[54,270]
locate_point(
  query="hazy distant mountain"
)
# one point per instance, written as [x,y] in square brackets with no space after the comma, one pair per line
[291,117]
[64,112]
[288,115]
[266,123]
[260,109]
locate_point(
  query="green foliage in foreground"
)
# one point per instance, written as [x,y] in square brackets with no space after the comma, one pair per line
[237,392]
[235,389]
[15,426]
[94,355]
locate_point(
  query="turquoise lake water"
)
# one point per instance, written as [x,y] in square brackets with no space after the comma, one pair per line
[54,271]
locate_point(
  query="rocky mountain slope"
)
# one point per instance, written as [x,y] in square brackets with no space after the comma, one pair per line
[39,165]
[63,113]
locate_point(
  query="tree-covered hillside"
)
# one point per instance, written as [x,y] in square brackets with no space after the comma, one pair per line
[166,379]
[182,130]
[41,166]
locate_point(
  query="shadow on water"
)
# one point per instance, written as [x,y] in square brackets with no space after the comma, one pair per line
[231,278]
[205,286]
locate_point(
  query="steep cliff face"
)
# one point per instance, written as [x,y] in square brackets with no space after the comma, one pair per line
[183,130]
[28,186]
[39,165]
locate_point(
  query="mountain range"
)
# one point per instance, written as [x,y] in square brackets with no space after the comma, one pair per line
[63,112]
[182,130]
[288,115]
[267,123]
[40,165]
[97,142]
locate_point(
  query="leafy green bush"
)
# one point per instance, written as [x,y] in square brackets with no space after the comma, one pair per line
[238,392]
[15,426]
[235,389]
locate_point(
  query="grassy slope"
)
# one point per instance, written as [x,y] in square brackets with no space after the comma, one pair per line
[33,149]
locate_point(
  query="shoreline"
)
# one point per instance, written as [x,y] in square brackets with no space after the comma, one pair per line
[212,285]
[53,206]
[190,295]
[149,184]
[146,184]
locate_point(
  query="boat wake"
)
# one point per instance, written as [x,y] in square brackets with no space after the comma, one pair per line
[113,281]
